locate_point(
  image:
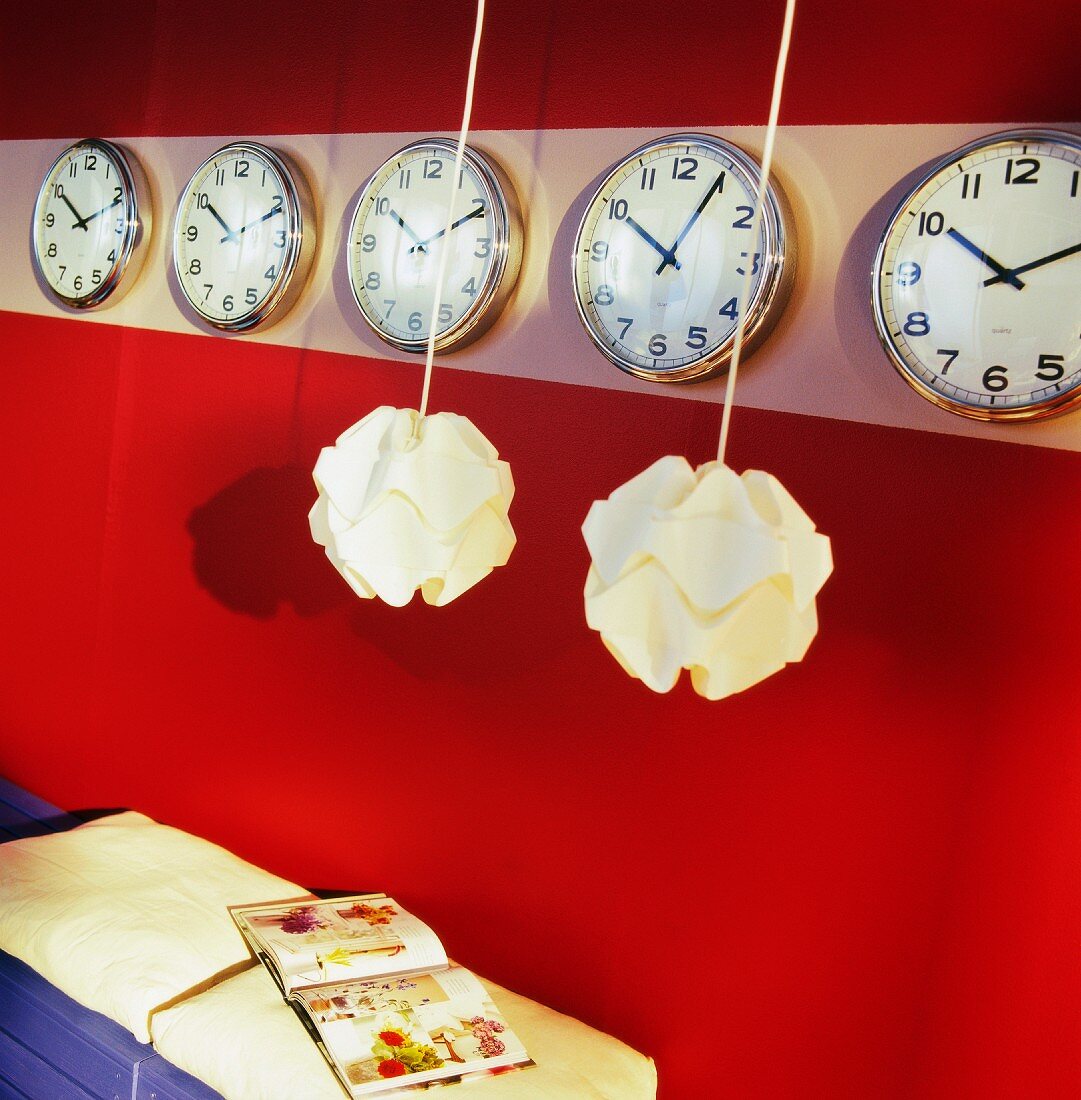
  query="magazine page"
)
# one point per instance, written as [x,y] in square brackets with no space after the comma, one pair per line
[419,1030]
[319,942]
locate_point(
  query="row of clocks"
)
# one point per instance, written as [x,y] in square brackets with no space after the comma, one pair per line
[974,294]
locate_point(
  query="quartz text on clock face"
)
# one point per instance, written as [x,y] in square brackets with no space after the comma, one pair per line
[235,236]
[978,281]
[662,253]
[82,228]
[398,233]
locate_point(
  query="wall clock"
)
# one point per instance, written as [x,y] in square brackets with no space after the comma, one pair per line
[91,220]
[977,281]
[661,253]
[244,237]
[397,232]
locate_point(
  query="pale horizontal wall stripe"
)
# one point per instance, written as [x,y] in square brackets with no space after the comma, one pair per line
[823,359]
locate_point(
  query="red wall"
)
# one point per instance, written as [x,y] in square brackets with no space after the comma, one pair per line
[864,870]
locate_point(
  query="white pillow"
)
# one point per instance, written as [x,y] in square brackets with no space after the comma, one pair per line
[243,1040]
[125,915]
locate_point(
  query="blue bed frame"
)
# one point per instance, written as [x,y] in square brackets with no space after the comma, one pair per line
[51,1048]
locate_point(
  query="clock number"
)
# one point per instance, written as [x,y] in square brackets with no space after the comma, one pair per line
[219,177]
[754,263]
[405,178]
[382,206]
[729,309]
[195,267]
[51,250]
[1027,173]
[684,168]
[908,273]
[931,224]
[617,210]
[95,277]
[120,224]
[277,200]
[191,233]
[1052,365]
[50,221]
[1073,184]
[696,337]
[916,324]
[599,251]
[251,296]
[994,379]
[372,280]
[626,322]
[445,314]
[58,190]
[73,169]
[240,169]
[227,303]
[202,200]
[649,178]
[478,202]
[279,238]
[973,191]
[470,288]
[91,162]
[390,303]
[484,248]
[62,268]
[605,295]
[112,257]
[433,168]
[209,288]
[414,321]
[270,273]
[951,354]
[658,345]
[743,222]
[78,283]
[367,242]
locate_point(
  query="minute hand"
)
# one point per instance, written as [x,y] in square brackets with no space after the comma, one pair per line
[671,257]
[475,213]
[1041,262]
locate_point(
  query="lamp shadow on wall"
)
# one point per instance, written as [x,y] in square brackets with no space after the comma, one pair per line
[252,548]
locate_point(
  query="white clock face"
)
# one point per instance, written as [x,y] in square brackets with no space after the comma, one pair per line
[239,236]
[661,255]
[397,236]
[977,283]
[86,222]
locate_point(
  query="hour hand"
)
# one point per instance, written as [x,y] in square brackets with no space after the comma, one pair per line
[666,254]
[1003,274]
[221,221]
[398,218]
[80,221]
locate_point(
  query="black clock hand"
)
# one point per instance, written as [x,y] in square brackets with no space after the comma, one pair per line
[671,257]
[80,221]
[1002,274]
[98,213]
[235,234]
[219,219]
[1041,262]
[398,218]
[454,225]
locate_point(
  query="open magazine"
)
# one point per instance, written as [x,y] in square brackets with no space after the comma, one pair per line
[376,992]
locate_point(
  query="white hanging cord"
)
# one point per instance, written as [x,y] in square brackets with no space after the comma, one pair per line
[445,251]
[756,222]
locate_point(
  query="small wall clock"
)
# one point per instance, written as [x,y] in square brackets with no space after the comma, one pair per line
[398,229]
[977,281]
[661,253]
[91,220]
[244,237]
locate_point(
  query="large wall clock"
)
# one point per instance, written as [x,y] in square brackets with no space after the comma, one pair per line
[661,253]
[244,237]
[397,234]
[977,281]
[91,221]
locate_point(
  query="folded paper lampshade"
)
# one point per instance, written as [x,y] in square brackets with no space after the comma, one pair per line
[408,502]
[705,570]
